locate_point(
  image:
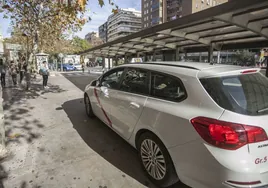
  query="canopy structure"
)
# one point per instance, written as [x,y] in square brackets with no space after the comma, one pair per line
[233,25]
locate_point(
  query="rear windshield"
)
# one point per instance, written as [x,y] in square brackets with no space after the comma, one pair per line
[245,94]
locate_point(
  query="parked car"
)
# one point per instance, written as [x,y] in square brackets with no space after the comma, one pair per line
[66,67]
[202,124]
[77,66]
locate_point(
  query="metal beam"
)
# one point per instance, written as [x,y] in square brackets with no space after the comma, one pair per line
[152,41]
[181,34]
[136,47]
[244,21]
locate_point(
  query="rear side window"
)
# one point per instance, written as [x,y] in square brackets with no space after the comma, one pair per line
[167,87]
[135,81]
[245,94]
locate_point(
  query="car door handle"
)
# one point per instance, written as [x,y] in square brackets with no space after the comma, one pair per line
[134,105]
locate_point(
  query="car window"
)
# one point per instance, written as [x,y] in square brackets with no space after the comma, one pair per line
[135,81]
[112,80]
[167,87]
[245,94]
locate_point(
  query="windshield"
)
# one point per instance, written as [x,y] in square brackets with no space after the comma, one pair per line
[245,94]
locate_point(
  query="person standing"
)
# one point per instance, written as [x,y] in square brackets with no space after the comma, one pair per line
[83,67]
[3,73]
[13,72]
[266,61]
[44,71]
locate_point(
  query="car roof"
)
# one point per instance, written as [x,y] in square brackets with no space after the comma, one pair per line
[196,69]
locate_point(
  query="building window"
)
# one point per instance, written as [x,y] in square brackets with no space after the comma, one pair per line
[196,6]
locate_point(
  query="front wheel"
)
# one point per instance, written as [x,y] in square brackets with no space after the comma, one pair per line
[156,160]
[88,107]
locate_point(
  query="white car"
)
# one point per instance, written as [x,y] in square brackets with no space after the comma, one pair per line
[204,125]
[77,66]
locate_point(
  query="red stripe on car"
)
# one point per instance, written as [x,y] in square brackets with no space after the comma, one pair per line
[104,112]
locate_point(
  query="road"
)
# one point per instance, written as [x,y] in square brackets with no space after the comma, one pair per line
[119,152]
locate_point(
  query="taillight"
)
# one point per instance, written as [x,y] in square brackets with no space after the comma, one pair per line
[227,135]
[248,71]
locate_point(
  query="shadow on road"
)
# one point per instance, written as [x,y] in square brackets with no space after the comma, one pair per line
[21,126]
[107,143]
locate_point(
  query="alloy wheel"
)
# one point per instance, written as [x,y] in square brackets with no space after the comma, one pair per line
[87,104]
[153,159]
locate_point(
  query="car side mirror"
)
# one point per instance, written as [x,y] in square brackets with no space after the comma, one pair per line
[94,83]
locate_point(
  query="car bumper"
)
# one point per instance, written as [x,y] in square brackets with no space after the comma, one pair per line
[235,186]
[197,167]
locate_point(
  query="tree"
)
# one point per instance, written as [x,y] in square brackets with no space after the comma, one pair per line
[45,21]
[80,44]
[245,57]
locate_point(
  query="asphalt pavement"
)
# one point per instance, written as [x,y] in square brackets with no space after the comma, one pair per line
[54,144]
[118,145]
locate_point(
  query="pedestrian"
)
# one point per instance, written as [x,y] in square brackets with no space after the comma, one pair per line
[28,78]
[22,66]
[44,71]
[266,61]
[13,72]
[83,67]
[3,73]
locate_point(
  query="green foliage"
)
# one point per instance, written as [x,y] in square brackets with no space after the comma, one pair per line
[245,57]
[80,44]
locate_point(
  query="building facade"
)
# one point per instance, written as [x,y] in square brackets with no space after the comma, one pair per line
[103,32]
[160,11]
[93,39]
[125,22]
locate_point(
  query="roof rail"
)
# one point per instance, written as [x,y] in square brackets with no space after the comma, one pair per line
[170,65]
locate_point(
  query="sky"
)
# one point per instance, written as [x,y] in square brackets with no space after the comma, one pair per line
[98,15]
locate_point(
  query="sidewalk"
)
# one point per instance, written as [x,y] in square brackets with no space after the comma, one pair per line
[43,130]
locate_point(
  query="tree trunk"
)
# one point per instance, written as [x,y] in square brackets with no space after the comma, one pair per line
[35,51]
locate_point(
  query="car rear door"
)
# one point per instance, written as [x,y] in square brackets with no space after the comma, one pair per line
[128,102]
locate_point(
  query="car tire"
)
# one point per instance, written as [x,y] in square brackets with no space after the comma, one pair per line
[64,69]
[89,110]
[160,160]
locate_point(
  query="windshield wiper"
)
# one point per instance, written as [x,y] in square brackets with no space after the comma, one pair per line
[263,110]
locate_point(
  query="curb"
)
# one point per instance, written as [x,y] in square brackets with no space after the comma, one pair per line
[3,150]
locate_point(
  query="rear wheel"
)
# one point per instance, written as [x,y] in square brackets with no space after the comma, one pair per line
[156,160]
[88,107]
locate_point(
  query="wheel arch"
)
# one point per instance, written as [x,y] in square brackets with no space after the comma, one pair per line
[142,131]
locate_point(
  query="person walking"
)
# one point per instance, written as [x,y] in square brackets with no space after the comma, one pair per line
[44,71]
[13,72]
[3,73]
[22,66]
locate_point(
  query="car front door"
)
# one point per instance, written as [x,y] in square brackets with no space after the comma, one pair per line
[109,83]
[128,101]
